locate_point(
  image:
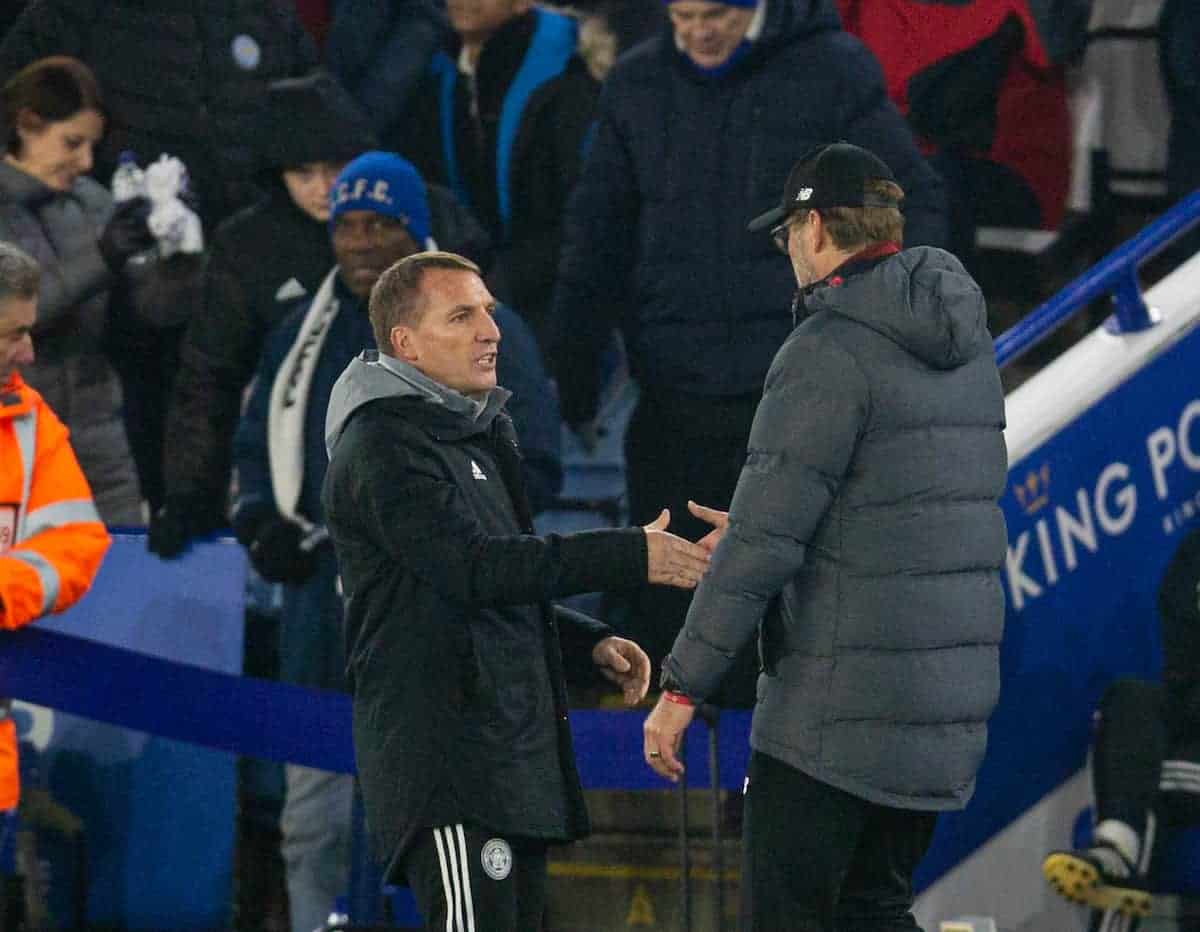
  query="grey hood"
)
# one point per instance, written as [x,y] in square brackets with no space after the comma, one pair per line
[373,376]
[923,299]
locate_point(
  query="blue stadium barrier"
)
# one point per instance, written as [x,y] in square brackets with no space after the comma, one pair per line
[285,723]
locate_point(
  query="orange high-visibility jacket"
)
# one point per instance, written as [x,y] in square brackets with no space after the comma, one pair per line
[51,537]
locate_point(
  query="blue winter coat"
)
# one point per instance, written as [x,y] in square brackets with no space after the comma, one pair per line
[655,232]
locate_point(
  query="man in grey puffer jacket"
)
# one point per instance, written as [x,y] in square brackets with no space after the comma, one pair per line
[863,543]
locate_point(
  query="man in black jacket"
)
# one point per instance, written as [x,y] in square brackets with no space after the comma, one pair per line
[379,214]
[696,128]
[455,655]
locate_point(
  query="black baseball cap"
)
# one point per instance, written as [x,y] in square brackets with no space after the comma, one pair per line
[833,175]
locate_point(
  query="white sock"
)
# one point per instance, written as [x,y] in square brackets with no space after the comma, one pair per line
[1119,835]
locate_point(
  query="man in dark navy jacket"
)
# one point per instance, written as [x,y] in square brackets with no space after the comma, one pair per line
[696,129]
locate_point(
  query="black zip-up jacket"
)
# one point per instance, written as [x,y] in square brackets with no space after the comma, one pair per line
[455,657]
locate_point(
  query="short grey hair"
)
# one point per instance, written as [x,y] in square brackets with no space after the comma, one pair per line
[20,275]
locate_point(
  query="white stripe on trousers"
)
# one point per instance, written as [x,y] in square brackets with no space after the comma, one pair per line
[446,886]
[469,905]
[451,844]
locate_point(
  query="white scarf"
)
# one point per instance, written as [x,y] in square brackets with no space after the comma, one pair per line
[289,401]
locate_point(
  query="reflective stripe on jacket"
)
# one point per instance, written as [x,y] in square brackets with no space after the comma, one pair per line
[51,538]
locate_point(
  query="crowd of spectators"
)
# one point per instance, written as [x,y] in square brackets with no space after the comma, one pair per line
[598,161]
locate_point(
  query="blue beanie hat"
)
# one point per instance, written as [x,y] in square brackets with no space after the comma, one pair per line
[386,184]
[748,4]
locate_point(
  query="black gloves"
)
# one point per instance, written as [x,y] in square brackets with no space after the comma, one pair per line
[126,233]
[281,550]
[179,520]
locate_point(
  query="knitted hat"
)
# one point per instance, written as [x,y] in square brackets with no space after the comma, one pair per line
[311,119]
[834,175]
[386,184]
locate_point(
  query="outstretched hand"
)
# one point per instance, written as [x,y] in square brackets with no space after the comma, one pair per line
[718,519]
[671,560]
[625,664]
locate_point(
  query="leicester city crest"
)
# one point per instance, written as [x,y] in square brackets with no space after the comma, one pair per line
[497,858]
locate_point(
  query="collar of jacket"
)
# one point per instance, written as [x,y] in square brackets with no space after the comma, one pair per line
[22,187]
[858,263]
[500,59]
[446,424]
[16,398]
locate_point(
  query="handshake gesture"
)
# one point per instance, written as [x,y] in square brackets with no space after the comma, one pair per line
[673,561]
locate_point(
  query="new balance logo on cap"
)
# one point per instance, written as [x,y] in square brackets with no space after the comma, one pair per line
[476,472]
[804,194]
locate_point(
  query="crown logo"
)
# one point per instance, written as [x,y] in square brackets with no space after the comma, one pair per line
[1033,492]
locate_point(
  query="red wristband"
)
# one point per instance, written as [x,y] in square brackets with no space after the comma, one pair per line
[677,698]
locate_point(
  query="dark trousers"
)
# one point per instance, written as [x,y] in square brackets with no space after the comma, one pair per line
[680,447]
[468,878]
[817,859]
[1146,758]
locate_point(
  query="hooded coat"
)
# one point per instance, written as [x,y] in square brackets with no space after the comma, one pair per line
[865,538]
[455,656]
[655,234]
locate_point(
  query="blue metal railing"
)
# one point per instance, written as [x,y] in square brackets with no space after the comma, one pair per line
[1115,275]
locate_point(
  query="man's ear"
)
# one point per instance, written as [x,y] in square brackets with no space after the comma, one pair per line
[821,240]
[402,343]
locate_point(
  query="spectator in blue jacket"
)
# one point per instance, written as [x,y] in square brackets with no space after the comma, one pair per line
[501,120]
[379,215]
[696,129]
